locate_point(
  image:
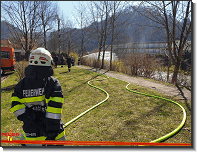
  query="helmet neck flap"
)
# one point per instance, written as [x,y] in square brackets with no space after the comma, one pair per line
[38,72]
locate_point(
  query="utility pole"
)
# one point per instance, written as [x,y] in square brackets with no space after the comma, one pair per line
[58,32]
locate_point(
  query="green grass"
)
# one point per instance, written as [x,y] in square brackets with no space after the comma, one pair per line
[125,116]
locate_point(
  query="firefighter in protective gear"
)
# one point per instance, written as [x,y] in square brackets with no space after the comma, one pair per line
[37,99]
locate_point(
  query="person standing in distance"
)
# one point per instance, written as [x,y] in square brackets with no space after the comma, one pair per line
[69,63]
[55,59]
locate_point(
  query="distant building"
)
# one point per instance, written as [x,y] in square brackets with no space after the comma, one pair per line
[147,47]
[6,43]
[18,50]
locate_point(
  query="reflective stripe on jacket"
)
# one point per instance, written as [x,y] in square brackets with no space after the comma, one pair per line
[61,135]
[47,92]
[51,96]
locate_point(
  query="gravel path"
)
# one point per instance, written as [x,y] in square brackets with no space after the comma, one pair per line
[4,77]
[184,94]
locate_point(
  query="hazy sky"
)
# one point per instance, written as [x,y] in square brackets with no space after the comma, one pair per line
[67,7]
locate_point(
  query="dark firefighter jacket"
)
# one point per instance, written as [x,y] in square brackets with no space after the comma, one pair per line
[37,101]
[69,62]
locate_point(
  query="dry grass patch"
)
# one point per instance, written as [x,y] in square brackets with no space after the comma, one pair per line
[125,116]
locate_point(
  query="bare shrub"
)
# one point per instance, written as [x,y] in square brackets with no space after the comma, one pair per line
[96,63]
[118,66]
[133,62]
[84,61]
[139,64]
[20,69]
[148,66]
[93,62]
[88,62]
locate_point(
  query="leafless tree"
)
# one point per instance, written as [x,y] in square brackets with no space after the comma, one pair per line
[100,11]
[116,26]
[47,14]
[64,37]
[53,41]
[62,31]
[69,36]
[24,24]
[106,10]
[175,17]
[34,24]
[82,20]
[96,28]
[108,24]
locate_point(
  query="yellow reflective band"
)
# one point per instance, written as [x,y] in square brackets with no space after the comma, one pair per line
[57,99]
[15,98]
[43,137]
[33,99]
[34,138]
[60,135]
[54,110]
[47,100]
[17,107]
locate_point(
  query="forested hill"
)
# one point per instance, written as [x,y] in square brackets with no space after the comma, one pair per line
[137,29]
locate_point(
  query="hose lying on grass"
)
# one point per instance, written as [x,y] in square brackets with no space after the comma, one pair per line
[82,114]
[174,131]
[154,141]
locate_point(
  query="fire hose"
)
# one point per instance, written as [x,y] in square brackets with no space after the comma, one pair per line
[122,143]
[154,141]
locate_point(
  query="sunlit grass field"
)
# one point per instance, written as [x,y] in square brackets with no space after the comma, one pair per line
[125,116]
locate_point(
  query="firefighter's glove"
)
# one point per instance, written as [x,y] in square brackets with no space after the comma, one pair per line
[52,127]
[25,118]
[28,116]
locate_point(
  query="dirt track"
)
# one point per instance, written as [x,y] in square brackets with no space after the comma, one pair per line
[168,90]
[3,77]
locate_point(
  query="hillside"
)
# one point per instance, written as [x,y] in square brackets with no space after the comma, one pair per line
[137,29]
[5,34]
[4,31]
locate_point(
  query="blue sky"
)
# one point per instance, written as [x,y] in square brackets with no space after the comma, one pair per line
[68,8]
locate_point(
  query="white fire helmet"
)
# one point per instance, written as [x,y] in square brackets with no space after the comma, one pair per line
[40,57]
